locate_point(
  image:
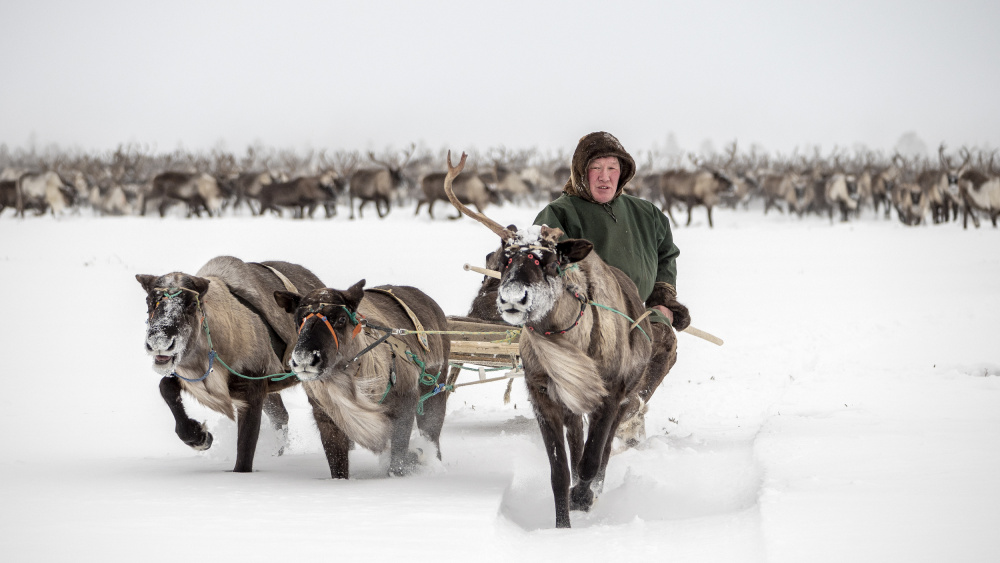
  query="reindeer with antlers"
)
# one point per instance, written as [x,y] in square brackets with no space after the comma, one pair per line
[586,348]
[378,184]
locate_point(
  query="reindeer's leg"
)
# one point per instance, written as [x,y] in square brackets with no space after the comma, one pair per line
[602,422]
[690,206]
[248,426]
[550,422]
[420,203]
[432,420]
[190,431]
[710,225]
[401,459]
[385,201]
[278,414]
[574,435]
[336,444]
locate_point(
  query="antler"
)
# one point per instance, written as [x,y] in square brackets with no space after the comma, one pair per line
[453,171]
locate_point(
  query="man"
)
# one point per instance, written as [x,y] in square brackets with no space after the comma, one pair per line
[629,233]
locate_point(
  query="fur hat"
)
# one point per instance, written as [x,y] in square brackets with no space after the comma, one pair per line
[597,145]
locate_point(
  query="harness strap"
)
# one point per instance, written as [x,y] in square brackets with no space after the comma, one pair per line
[336,341]
[284,280]
[421,334]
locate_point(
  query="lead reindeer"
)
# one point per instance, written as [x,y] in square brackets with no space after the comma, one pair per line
[578,359]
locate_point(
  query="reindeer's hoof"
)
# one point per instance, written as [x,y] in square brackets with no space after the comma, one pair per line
[581,497]
[404,466]
[197,436]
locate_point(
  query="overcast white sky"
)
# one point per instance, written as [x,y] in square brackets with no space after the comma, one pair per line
[371,75]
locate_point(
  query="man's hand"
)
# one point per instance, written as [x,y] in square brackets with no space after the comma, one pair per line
[666,312]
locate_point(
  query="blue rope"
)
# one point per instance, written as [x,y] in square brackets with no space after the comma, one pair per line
[211,360]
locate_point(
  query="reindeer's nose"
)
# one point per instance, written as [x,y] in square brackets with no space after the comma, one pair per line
[314,358]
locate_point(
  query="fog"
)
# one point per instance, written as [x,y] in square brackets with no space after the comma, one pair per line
[338,75]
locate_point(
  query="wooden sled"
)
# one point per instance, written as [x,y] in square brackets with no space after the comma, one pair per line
[485,348]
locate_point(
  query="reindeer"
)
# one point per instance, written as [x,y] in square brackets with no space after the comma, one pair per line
[226,368]
[941,187]
[911,203]
[789,187]
[377,184]
[979,192]
[469,188]
[365,381]
[841,190]
[702,187]
[578,360]
[200,191]
[247,187]
[304,194]
[43,191]
[883,183]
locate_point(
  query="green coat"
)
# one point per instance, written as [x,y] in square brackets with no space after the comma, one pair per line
[629,233]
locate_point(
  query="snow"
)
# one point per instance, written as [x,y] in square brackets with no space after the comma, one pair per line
[853,413]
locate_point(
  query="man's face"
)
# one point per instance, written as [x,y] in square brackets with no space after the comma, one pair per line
[602,177]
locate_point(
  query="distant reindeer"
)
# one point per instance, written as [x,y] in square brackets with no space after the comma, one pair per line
[578,360]
[841,191]
[378,184]
[980,192]
[789,188]
[247,187]
[198,190]
[469,188]
[303,194]
[941,189]
[43,191]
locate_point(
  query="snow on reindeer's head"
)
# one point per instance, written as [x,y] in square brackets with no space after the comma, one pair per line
[533,264]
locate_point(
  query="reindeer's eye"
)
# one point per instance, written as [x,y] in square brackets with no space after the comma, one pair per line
[341,321]
[552,268]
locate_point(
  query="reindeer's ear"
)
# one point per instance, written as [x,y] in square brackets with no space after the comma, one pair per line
[573,250]
[200,285]
[287,300]
[354,295]
[146,281]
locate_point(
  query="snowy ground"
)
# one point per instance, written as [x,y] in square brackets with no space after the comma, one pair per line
[852,415]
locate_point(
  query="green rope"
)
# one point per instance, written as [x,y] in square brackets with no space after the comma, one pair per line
[429,380]
[630,319]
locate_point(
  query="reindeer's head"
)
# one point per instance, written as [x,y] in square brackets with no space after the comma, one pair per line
[532,268]
[328,322]
[175,317]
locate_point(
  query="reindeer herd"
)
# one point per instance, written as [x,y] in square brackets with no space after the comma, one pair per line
[838,186]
